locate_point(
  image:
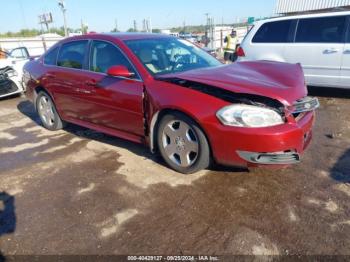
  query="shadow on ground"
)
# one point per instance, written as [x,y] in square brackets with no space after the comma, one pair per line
[341,170]
[9,97]
[7,216]
[27,109]
[328,92]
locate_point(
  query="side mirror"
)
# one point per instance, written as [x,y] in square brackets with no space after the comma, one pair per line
[121,71]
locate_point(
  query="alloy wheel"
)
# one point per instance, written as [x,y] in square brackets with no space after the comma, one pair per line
[180,143]
[45,108]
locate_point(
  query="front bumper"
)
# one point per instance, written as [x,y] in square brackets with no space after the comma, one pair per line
[281,144]
[274,158]
[8,88]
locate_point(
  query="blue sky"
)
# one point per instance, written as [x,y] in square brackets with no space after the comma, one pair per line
[101,14]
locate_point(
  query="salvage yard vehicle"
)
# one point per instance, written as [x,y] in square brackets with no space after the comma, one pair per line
[11,68]
[174,97]
[319,42]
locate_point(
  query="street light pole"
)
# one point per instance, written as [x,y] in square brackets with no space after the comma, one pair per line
[63,9]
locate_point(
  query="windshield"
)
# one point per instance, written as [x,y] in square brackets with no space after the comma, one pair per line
[170,55]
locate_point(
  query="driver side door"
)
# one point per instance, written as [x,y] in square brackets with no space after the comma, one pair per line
[113,102]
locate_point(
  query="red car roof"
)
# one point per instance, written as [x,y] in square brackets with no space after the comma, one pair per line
[123,36]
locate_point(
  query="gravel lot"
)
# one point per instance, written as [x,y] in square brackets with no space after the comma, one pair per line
[77,191]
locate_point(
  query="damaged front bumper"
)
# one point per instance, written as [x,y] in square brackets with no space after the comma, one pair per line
[8,88]
[9,84]
[249,147]
[275,158]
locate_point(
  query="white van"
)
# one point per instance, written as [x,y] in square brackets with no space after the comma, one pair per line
[320,42]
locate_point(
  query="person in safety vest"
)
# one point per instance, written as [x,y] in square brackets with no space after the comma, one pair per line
[230,48]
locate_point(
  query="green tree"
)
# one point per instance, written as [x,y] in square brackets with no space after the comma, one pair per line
[156,31]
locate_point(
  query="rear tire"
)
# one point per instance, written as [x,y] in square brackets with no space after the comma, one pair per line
[182,143]
[47,112]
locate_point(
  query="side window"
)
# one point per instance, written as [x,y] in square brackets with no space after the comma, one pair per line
[321,30]
[274,32]
[20,52]
[103,55]
[51,57]
[72,54]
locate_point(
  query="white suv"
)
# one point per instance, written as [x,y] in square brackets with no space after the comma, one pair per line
[319,42]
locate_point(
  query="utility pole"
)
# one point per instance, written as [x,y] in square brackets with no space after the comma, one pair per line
[144,26]
[207,29]
[116,25]
[149,25]
[62,5]
[84,27]
[135,26]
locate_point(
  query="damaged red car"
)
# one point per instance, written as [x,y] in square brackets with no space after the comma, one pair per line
[174,97]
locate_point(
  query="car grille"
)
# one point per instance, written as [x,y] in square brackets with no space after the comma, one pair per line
[7,87]
[305,104]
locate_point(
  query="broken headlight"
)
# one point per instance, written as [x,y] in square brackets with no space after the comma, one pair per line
[11,73]
[249,116]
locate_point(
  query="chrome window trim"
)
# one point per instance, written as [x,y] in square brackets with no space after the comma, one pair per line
[139,79]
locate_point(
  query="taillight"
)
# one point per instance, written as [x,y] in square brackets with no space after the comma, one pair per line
[240,51]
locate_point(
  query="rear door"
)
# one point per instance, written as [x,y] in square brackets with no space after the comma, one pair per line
[270,40]
[319,44]
[345,67]
[66,80]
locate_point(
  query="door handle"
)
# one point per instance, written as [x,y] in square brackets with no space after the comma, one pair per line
[92,83]
[84,91]
[346,51]
[330,51]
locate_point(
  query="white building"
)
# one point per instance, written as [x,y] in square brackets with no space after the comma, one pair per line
[291,7]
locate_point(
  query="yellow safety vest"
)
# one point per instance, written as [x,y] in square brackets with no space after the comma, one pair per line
[230,44]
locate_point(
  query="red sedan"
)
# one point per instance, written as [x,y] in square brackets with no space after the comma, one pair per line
[174,97]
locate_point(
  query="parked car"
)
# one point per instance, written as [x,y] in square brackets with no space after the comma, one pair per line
[11,68]
[210,51]
[174,97]
[320,42]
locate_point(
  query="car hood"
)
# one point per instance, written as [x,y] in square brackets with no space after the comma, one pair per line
[281,81]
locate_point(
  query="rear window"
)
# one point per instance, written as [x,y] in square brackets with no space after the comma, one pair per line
[51,57]
[274,32]
[72,54]
[321,30]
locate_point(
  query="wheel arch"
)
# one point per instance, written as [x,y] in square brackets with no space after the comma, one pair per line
[36,92]
[154,123]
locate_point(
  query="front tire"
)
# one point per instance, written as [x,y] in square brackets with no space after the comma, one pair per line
[182,143]
[47,112]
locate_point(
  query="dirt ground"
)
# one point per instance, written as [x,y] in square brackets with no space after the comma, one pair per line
[77,191]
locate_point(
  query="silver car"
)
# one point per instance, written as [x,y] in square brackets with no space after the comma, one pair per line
[11,71]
